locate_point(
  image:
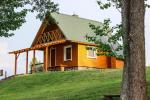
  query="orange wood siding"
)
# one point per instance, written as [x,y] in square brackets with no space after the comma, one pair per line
[83,60]
[60,55]
[113,62]
[116,63]
[80,58]
[99,62]
[119,63]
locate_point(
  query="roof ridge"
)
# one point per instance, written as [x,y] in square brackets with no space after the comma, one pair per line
[78,17]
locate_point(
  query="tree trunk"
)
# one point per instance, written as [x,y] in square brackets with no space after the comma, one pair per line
[134,77]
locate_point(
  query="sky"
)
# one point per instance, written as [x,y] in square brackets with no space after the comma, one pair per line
[25,34]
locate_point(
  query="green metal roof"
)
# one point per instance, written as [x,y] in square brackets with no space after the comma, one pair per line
[76,28]
[73,27]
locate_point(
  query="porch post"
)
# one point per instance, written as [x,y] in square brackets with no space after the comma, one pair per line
[46,59]
[15,69]
[44,66]
[26,62]
[33,61]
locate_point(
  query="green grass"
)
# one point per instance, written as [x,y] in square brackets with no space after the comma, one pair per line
[75,85]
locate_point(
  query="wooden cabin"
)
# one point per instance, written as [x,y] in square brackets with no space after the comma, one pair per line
[64,46]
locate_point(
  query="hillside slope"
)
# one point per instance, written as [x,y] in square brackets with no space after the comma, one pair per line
[75,85]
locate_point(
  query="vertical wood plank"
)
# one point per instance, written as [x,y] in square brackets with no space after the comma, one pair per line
[46,60]
[33,61]
[15,69]
[27,62]
[44,67]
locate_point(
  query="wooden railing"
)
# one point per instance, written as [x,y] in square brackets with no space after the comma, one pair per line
[39,67]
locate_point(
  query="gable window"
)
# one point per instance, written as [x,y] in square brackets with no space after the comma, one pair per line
[67,53]
[91,53]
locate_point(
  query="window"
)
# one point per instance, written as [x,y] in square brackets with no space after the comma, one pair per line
[91,53]
[67,53]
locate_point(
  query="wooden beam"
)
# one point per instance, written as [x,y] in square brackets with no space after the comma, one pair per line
[15,69]
[44,66]
[46,60]
[40,46]
[33,61]
[26,62]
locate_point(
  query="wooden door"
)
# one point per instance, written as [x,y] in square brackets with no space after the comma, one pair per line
[53,57]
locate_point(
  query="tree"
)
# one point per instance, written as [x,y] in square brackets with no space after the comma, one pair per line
[132,29]
[107,39]
[13,12]
[134,79]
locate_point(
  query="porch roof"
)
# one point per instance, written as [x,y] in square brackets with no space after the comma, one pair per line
[41,46]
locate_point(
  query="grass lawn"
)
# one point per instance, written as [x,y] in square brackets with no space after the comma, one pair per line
[75,85]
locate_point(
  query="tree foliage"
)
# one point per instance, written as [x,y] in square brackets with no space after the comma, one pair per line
[112,37]
[13,13]
[114,34]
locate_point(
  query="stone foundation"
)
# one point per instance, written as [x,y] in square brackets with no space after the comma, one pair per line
[60,68]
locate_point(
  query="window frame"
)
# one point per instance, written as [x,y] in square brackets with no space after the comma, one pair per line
[65,54]
[95,55]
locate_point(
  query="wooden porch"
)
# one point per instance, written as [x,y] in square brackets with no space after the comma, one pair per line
[45,48]
[42,47]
